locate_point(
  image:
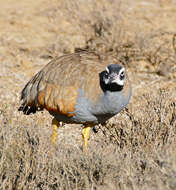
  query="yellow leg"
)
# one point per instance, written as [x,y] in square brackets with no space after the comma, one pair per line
[55,126]
[85,137]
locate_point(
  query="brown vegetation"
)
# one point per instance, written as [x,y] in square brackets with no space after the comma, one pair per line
[135,149]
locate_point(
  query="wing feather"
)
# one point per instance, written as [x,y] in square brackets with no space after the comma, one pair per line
[57,85]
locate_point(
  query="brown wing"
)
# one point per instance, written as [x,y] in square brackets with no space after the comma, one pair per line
[57,85]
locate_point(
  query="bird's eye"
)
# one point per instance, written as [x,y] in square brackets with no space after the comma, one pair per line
[122,75]
[106,74]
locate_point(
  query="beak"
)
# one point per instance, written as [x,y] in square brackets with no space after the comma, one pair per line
[113,76]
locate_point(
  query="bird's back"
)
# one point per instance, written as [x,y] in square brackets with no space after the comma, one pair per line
[57,85]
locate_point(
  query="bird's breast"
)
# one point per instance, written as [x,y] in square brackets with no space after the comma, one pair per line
[107,105]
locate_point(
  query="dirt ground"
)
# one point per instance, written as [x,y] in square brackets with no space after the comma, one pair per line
[136,149]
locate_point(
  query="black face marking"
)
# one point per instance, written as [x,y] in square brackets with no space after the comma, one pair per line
[112,79]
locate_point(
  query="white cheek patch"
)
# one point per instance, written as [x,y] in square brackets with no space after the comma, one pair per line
[106,81]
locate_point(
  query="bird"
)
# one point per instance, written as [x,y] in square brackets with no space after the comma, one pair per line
[78,88]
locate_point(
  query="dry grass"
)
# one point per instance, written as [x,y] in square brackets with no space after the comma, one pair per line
[135,149]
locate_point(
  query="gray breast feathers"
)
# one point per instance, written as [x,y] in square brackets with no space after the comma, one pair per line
[108,105]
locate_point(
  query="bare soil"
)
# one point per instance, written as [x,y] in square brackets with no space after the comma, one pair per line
[136,148]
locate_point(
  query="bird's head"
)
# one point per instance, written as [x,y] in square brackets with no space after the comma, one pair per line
[112,78]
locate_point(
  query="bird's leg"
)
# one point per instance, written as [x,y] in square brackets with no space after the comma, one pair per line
[85,137]
[55,126]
